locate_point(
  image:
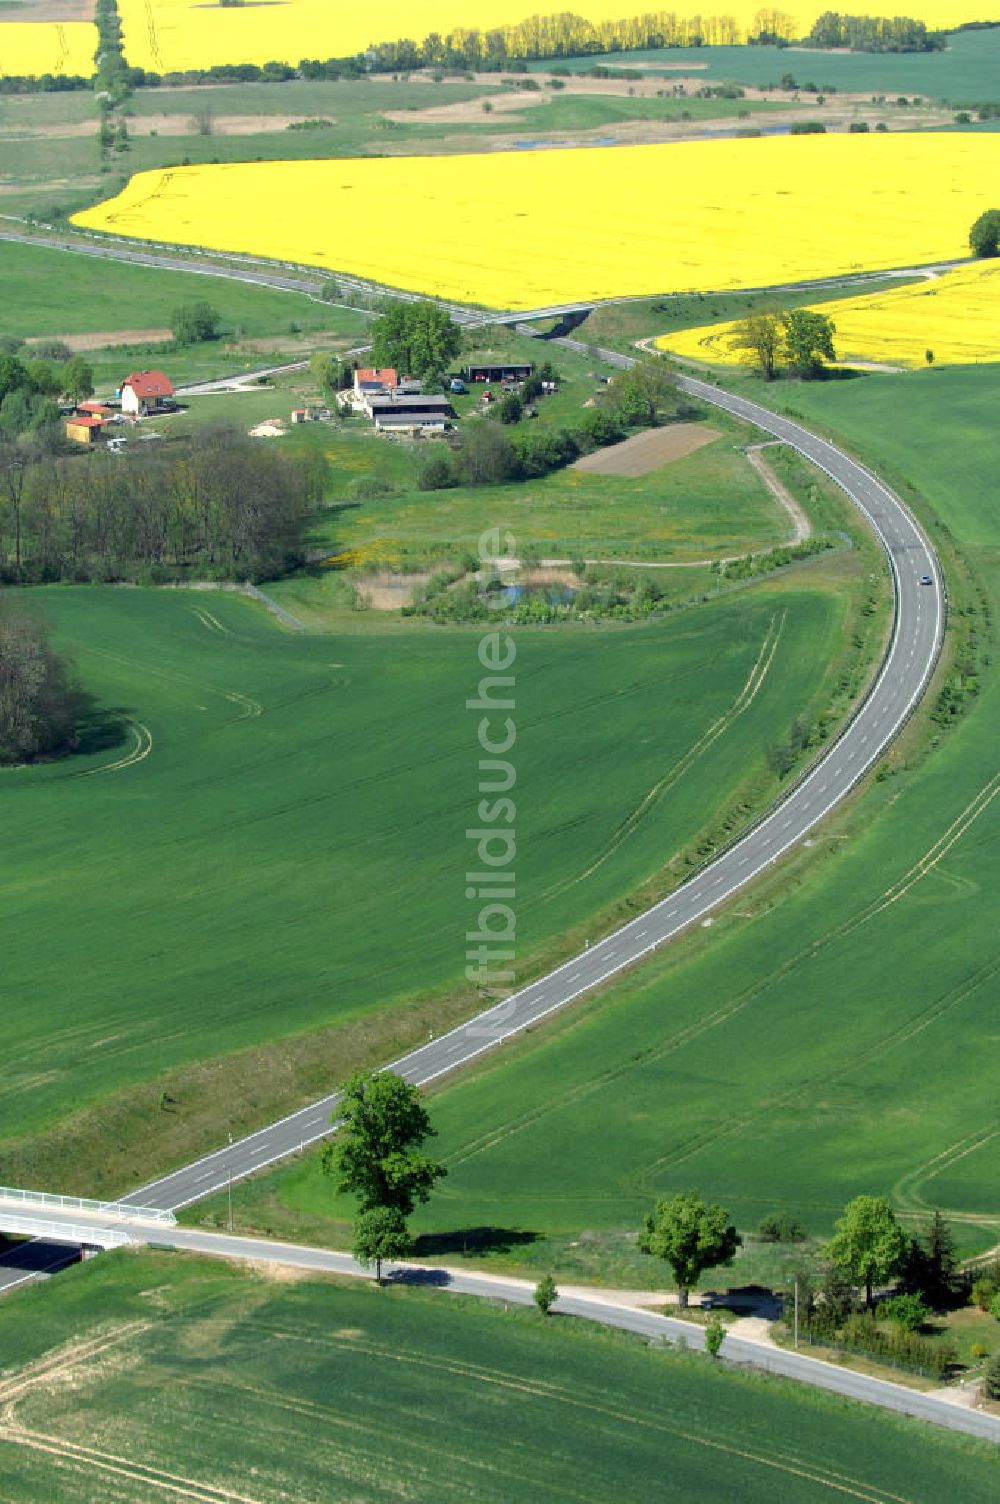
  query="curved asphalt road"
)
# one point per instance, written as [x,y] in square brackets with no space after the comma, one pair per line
[913,651]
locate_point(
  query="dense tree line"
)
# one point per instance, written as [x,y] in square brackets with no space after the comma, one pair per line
[113,78]
[222,506]
[44,83]
[39,705]
[562,35]
[874,33]
[535,39]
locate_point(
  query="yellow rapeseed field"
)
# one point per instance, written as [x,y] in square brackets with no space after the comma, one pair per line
[30,48]
[526,229]
[956,316]
[168,35]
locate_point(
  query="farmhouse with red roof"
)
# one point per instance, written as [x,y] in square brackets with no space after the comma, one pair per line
[146,392]
[368,383]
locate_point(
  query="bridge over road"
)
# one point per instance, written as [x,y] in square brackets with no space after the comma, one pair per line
[77,1221]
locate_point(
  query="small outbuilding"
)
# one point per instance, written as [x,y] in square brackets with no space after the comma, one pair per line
[499,371]
[84,428]
[146,392]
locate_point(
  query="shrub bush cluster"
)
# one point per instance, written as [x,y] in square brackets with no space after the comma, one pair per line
[782,1228]
[867,1332]
[776,558]
[986,1288]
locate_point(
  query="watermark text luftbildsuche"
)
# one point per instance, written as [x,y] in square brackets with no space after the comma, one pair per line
[490,878]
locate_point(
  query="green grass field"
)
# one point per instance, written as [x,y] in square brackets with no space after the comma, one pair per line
[707,505]
[966,73]
[836,1031]
[143,1374]
[285,851]
[58,292]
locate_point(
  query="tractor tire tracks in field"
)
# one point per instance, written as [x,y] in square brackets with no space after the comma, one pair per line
[740,705]
[142,745]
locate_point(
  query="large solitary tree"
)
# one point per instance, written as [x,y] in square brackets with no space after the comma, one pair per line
[378,1153]
[758,338]
[193,322]
[416,339]
[807,340]
[691,1237]
[869,1246]
[77,379]
[984,237]
[645,392]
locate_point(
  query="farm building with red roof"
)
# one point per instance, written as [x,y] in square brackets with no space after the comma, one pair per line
[370,382]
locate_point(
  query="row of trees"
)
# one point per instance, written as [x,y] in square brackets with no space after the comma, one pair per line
[221,505]
[874,33]
[378,1156]
[113,78]
[39,704]
[540,37]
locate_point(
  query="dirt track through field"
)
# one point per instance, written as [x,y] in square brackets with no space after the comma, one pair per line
[780,492]
[142,745]
[105,339]
[743,701]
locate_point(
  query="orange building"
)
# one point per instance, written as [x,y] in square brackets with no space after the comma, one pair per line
[84,428]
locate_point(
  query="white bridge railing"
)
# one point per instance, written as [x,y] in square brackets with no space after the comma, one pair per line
[92,1233]
[114,1210]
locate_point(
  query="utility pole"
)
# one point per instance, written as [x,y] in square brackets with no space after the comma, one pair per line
[796,1313]
[229,1187]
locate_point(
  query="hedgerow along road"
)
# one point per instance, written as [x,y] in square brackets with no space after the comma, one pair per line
[917,635]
